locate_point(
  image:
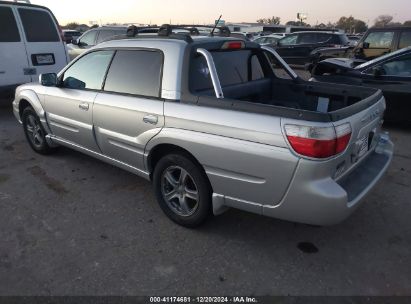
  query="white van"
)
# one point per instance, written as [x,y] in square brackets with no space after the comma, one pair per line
[30,44]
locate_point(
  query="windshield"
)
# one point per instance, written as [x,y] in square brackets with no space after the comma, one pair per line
[382,58]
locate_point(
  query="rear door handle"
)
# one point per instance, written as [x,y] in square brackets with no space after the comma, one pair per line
[151,119]
[84,106]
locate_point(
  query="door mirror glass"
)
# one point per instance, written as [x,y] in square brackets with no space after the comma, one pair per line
[48,80]
[74,41]
[365,45]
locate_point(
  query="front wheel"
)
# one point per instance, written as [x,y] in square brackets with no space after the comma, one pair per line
[182,190]
[35,133]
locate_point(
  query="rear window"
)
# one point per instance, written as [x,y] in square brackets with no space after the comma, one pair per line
[136,73]
[38,25]
[8,27]
[405,40]
[233,67]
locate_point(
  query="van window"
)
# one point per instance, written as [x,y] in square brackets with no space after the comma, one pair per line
[38,25]
[8,22]
[135,72]
[88,72]
[405,39]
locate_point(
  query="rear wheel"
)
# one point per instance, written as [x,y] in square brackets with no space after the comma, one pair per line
[34,131]
[182,190]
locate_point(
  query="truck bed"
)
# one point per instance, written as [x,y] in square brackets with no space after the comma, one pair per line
[310,101]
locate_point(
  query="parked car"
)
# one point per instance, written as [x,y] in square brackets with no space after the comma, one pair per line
[269,39]
[69,35]
[391,73]
[207,120]
[375,42]
[296,48]
[30,44]
[93,37]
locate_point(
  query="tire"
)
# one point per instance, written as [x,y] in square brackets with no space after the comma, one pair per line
[182,190]
[35,133]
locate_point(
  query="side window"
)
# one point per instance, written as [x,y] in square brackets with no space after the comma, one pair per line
[38,25]
[307,38]
[88,72]
[104,34]
[9,32]
[289,40]
[405,39]
[135,72]
[88,39]
[397,67]
[380,40]
[323,37]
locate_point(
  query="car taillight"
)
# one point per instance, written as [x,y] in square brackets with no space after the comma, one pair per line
[318,142]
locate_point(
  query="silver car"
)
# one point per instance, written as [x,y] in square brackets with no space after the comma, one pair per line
[213,126]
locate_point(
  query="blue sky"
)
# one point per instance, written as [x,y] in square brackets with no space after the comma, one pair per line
[188,11]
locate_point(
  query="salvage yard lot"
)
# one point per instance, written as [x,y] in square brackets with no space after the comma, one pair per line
[72,225]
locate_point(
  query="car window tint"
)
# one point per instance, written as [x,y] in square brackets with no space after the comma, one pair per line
[38,25]
[256,69]
[88,39]
[289,40]
[380,40]
[104,34]
[232,67]
[322,37]
[307,38]
[7,21]
[398,67]
[405,39]
[135,72]
[88,72]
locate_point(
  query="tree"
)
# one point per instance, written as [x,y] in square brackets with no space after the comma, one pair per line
[351,25]
[94,26]
[383,20]
[297,23]
[407,23]
[273,20]
[71,26]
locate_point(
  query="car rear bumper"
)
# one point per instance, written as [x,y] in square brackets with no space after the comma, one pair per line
[325,201]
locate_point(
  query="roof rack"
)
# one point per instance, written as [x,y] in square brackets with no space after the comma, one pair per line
[25,1]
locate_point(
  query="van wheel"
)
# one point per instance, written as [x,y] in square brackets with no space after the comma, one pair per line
[34,131]
[182,190]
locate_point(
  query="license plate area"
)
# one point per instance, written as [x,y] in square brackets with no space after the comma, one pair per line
[42,59]
[363,146]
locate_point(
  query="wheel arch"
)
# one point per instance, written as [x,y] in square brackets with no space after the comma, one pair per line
[162,149]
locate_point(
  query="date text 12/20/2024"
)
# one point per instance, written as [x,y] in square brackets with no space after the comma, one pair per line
[203,300]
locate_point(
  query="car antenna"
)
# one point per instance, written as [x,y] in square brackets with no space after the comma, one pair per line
[215,25]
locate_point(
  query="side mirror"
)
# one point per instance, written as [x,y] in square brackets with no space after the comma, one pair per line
[378,71]
[365,45]
[75,41]
[48,79]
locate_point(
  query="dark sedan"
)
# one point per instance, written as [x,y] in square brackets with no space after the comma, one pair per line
[391,73]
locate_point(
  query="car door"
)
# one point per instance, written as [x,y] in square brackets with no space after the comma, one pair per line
[46,51]
[286,47]
[395,82]
[129,111]
[69,105]
[375,44]
[13,57]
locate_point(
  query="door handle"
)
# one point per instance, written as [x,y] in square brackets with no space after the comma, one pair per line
[84,106]
[151,119]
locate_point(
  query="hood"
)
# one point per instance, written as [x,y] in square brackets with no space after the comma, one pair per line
[344,63]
